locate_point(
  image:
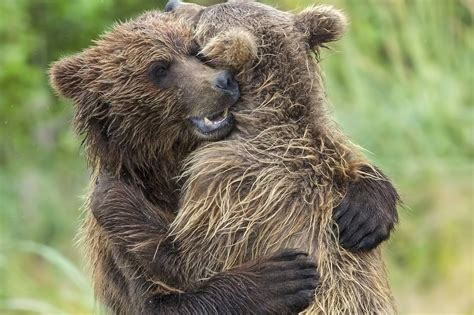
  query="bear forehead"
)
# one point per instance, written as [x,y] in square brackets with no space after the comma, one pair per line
[253,16]
[151,33]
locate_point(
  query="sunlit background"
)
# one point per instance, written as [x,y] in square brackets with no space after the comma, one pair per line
[400,84]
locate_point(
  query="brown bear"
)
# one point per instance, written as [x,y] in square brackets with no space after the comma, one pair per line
[273,183]
[145,102]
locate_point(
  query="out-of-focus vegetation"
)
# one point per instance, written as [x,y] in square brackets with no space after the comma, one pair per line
[400,83]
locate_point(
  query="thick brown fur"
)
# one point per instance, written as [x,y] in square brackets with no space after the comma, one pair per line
[136,130]
[286,155]
[274,183]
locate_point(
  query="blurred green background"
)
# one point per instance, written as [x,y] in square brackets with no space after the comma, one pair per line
[400,84]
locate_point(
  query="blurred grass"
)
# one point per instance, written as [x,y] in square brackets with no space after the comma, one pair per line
[400,83]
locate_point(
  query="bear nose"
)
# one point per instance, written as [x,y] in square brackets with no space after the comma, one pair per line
[226,83]
[172,5]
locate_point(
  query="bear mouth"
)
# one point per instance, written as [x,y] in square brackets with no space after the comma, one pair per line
[214,126]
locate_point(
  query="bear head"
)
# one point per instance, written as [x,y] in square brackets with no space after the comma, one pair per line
[273,53]
[141,95]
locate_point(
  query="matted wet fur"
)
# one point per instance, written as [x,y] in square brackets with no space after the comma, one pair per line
[274,183]
[133,92]
[137,136]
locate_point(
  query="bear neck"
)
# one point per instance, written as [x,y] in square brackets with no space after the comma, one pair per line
[156,175]
[158,183]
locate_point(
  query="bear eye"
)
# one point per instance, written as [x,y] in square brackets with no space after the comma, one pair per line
[158,70]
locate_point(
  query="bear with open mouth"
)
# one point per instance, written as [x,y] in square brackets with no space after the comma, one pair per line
[150,95]
[143,100]
[287,175]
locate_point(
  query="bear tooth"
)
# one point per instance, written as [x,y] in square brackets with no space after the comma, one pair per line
[207,121]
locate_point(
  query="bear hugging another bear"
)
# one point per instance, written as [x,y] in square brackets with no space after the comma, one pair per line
[261,173]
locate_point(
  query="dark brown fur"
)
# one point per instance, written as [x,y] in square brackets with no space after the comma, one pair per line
[274,183]
[137,153]
[136,135]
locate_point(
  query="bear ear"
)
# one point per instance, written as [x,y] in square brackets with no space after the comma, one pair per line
[66,76]
[321,24]
[232,49]
[190,11]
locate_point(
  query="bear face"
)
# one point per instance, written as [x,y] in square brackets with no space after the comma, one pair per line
[144,100]
[140,93]
[259,176]
[279,181]
[272,52]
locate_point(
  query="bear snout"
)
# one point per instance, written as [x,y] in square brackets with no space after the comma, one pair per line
[226,84]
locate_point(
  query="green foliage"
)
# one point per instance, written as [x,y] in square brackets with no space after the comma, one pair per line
[400,84]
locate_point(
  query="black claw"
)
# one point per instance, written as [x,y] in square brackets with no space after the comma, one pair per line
[367,209]
[352,235]
[339,211]
[357,239]
[366,244]
[289,254]
[308,294]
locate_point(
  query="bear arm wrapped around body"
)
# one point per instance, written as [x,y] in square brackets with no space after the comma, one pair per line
[287,175]
[281,283]
[142,102]
[367,214]
[369,198]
